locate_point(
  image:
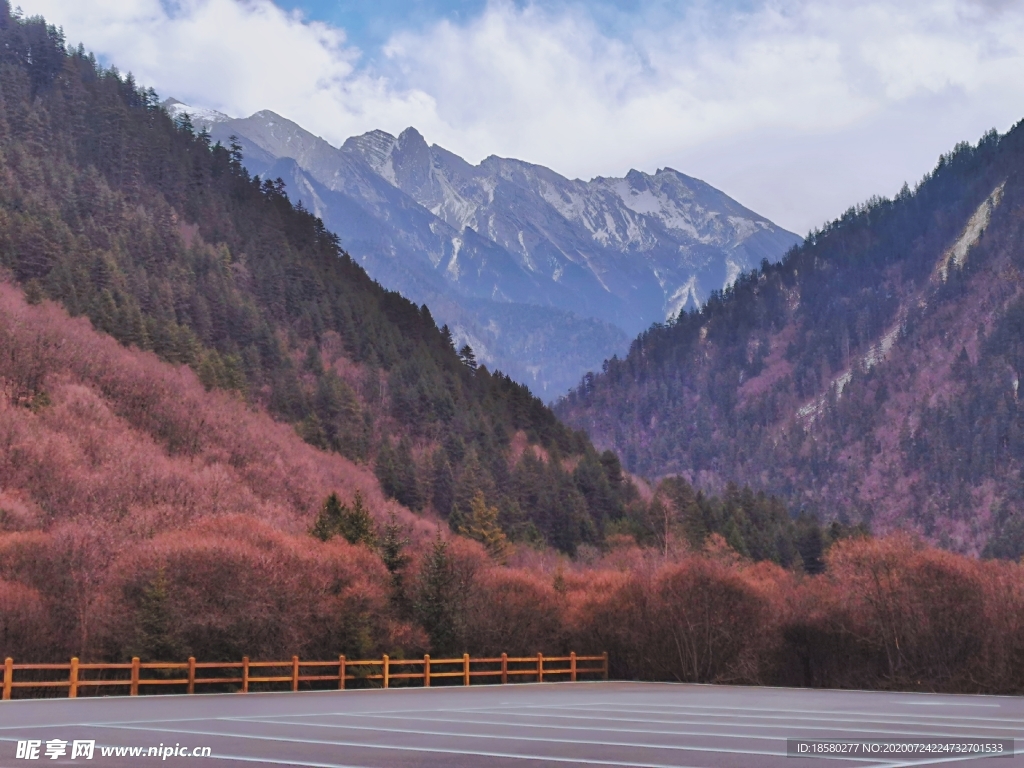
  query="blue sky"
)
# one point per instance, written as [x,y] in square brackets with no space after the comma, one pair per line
[369,24]
[796,108]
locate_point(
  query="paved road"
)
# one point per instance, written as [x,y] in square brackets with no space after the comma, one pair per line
[516,726]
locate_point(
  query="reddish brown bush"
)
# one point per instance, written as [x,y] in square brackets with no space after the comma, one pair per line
[23,624]
[697,620]
[233,587]
[514,611]
[892,613]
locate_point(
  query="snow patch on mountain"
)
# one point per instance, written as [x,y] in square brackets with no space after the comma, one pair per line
[201,117]
[683,296]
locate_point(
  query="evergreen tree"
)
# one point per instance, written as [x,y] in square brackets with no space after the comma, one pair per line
[810,543]
[356,523]
[386,469]
[482,525]
[443,484]
[465,489]
[467,357]
[328,521]
[436,604]
[446,336]
[407,491]
[310,429]
[393,543]
[155,639]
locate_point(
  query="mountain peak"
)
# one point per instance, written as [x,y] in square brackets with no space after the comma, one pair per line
[410,162]
[373,146]
[411,136]
[201,117]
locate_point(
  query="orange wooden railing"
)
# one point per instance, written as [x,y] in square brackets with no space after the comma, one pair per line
[537,667]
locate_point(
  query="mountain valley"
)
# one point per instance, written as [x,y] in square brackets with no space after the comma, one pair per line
[543,276]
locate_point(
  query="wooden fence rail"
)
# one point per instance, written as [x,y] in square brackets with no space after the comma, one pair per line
[539,668]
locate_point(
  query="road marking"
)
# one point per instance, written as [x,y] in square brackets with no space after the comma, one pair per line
[513,725]
[633,730]
[778,709]
[702,710]
[619,707]
[915,703]
[269,761]
[437,750]
[628,745]
[934,761]
[788,722]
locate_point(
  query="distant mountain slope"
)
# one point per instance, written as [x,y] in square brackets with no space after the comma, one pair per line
[873,375]
[167,243]
[508,253]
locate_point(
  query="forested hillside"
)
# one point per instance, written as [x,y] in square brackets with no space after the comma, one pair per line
[872,376]
[165,242]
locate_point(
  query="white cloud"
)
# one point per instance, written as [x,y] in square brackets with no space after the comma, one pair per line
[238,57]
[798,108]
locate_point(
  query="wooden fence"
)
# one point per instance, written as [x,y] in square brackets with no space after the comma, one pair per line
[385,670]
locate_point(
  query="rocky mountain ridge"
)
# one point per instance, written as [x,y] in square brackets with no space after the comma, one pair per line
[544,276]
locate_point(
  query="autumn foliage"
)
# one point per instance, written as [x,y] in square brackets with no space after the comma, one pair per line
[144,515]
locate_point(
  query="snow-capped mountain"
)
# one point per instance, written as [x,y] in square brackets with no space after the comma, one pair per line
[632,251]
[544,276]
[201,117]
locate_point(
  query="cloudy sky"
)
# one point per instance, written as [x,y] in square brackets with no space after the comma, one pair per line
[797,108]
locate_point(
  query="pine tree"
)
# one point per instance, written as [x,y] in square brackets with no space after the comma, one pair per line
[467,357]
[436,599]
[310,428]
[154,638]
[482,526]
[407,491]
[329,520]
[444,484]
[446,335]
[356,524]
[385,469]
[469,483]
[392,552]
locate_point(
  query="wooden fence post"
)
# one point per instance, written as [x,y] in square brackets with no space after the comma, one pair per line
[426,670]
[135,677]
[8,677]
[572,667]
[191,674]
[295,673]
[73,679]
[387,670]
[540,667]
[245,674]
[504,669]
[341,672]
[605,664]
[465,669]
